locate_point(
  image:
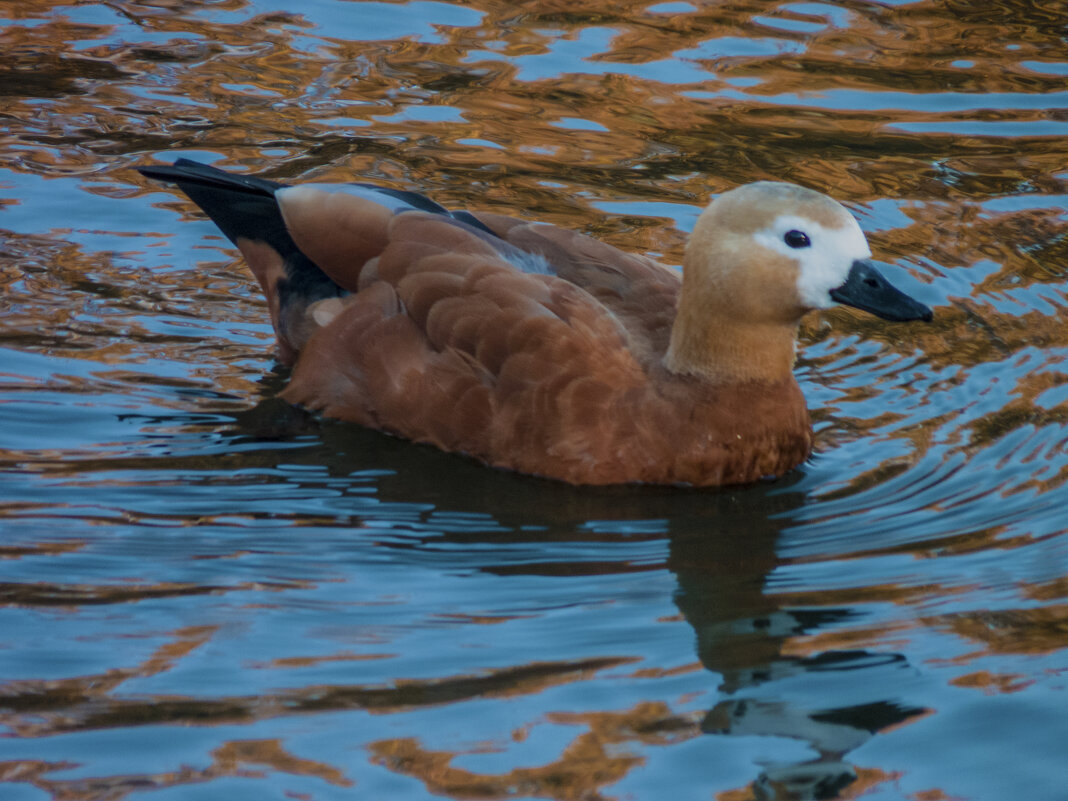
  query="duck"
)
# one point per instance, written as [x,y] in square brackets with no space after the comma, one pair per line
[538,349]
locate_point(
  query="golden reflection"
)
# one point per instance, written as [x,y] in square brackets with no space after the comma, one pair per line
[1054,590]
[39,548]
[230,759]
[592,761]
[239,759]
[993,683]
[1041,630]
[935,795]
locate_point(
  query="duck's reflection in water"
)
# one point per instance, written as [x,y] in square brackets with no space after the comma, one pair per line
[722,549]
[744,634]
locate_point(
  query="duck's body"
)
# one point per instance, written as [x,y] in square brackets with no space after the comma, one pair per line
[538,349]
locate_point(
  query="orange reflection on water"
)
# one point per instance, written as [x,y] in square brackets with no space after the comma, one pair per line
[593,760]
[245,759]
[993,683]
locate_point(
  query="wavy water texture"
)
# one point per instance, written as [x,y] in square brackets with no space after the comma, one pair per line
[204,591]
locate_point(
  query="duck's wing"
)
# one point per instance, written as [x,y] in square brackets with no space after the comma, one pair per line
[641,292]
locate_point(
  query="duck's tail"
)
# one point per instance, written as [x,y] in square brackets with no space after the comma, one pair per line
[246,211]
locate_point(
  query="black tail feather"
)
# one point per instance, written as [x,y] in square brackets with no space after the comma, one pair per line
[244,207]
[241,206]
[189,171]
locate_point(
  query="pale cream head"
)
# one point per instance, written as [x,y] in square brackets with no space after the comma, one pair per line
[760,256]
[813,239]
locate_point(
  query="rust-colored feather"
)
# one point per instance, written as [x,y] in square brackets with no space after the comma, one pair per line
[637,290]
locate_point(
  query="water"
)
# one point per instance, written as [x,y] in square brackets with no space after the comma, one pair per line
[207,594]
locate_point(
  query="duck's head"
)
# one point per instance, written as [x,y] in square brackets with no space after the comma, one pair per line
[759,258]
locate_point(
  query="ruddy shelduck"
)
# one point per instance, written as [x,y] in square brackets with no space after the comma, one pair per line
[541,350]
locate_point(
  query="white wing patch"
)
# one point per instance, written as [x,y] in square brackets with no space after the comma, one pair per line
[824,264]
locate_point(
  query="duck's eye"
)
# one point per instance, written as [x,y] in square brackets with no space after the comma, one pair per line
[796,239]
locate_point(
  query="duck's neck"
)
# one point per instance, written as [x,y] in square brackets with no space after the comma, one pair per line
[716,345]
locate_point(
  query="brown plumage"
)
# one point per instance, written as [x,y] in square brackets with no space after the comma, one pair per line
[541,350]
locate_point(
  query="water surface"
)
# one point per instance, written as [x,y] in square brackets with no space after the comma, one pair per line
[208,594]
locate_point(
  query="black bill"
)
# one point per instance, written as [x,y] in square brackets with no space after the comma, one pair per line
[866,289]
